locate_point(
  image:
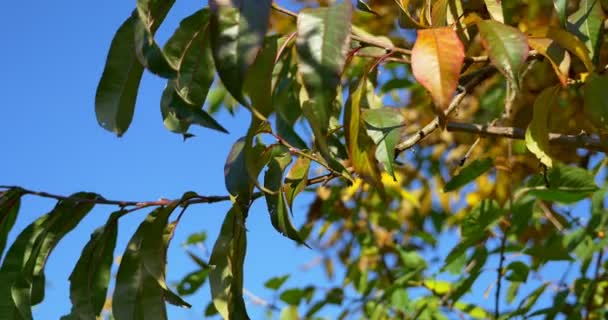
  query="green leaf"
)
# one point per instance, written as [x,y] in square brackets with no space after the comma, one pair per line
[495,10]
[527,304]
[91,275]
[406,20]
[235,170]
[279,214]
[141,291]
[149,53]
[258,84]
[469,174]
[519,271]
[289,313]
[507,48]
[481,217]
[276,282]
[227,259]
[596,101]
[153,12]
[384,126]
[238,28]
[10,202]
[117,89]
[552,250]
[363,6]
[586,24]
[560,9]
[360,147]
[567,184]
[22,271]
[537,134]
[178,115]
[296,179]
[189,51]
[192,282]
[322,43]
[196,238]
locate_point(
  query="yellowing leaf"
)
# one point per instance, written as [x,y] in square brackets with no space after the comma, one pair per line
[568,41]
[437,58]
[557,56]
[495,10]
[507,48]
[537,134]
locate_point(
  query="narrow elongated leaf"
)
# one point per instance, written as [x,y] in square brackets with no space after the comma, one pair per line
[469,173]
[236,174]
[363,6]
[322,44]
[495,10]
[178,115]
[22,271]
[560,9]
[568,41]
[227,259]
[189,51]
[360,147]
[384,126]
[91,275]
[238,28]
[273,180]
[507,48]
[149,53]
[437,57]
[406,19]
[9,208]
[586,24]
[117,89]
[557,56]
[439,13]
[537,134]
[258,84]
[296,179]
[140,291]
[596,101]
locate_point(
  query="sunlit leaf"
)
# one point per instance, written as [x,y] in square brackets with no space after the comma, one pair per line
[586,24]
[495,10]
[10,202]
[149,53]
[568,41]
[469,173]
[560,9]
[557,56]
[258,84]
[384,126]
[238,28]
[437,58]
[276,282]
[507,48]
[296,179]
[227,259]
[537,134]
[567,184]
[596,101]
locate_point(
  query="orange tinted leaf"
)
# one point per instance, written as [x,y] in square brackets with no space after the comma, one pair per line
[568,41]
[437,58]
[557,56]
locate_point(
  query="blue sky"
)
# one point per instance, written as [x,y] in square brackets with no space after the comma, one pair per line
[52,57]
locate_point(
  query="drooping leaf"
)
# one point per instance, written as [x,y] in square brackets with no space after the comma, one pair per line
[227,259]
[596,101]
[360,146]
[192,282]
[189,51]
[557,56]
[437,58]
[537,134]
[117,89]
[273,180]
[276,282]
[140,291]
[149,53]
[235,170]
[567,184]
[91,275]
[10,202]
[568,41]
[238,28]
[178,115]
[406,19]
[586,24]
[258,84]
[469,173]
[507,48]
[22,271]
[322,43]
[495,10]
[384,126]
[296,179]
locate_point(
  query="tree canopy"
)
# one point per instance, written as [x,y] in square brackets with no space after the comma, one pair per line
[444,145]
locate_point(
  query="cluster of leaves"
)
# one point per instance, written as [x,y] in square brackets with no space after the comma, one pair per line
[528,70]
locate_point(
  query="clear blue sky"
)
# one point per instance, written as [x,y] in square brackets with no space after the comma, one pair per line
[52,56]
[51,59]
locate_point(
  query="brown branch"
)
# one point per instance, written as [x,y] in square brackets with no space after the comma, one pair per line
[578,141]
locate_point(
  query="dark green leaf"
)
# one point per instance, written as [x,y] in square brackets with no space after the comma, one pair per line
[9,208]
[117,89]
[178,115]
[258,84]
[567,184]
[384,126]
[363,6]
[238,28]
[596,101]
[235,170]
[192,282]
[189,50]
[553,249]
[227,259]
[296,179]
[149,53]
[519,271]
[22,271]
[273,178]
[469,173]
[91,275]
[586,24]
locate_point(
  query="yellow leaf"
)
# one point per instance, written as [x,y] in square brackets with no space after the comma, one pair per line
[537,134]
